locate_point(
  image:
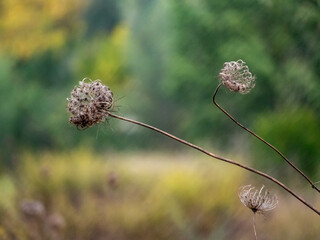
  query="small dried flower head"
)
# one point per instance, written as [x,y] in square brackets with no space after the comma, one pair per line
[237,77]
[257,200]
[56,222]
[89,103]
[32,208]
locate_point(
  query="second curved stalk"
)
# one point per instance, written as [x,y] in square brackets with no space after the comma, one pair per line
[261,139]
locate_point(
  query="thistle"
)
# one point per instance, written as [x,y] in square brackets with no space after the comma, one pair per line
[235,75]
[89,103]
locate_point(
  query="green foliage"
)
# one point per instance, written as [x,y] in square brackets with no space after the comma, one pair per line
[161,58]
[275,38]
[148,54]
[104,58]
[101,16]
[295,132]
[36,80]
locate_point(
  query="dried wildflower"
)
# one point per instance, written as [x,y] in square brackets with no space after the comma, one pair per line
[258,201]
[32,208]
[237,77]
[55,222]
[89,103]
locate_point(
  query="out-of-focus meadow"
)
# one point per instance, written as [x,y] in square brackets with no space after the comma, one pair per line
[161,59]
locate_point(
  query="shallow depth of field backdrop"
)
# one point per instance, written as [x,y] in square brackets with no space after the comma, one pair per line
[161,58]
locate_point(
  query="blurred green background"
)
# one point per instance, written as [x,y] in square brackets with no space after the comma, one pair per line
[161,58]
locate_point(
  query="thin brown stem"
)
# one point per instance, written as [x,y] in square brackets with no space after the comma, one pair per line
[261,139]
[219,158]
[254,226]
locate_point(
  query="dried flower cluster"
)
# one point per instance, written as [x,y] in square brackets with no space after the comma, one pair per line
[55,222]
[257,200]
[237,77]
[41,224]
[32,208]
[89,103]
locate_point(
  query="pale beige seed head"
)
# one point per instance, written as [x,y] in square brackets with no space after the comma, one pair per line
[32,208]
[259,201]
[235,75]
[90,103]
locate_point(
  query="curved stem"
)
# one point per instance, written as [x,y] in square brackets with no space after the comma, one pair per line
[219,158]
[261,139]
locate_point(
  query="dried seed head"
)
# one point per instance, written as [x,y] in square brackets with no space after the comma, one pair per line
[55,222]
[32,208]
[89,103]
[237,77]
[257,200]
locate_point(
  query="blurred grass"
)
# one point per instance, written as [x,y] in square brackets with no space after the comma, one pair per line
[138,195]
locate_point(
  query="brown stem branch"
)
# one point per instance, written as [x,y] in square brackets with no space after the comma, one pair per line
[261,139]
[219,158]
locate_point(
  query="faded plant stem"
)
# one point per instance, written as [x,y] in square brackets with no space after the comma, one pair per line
[219,158]
[261,139]
[254,226]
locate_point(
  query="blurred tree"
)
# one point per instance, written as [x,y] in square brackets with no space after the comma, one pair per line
[177,55]
[31,27]
[40,42]
[175,50]
[103,57]
[101,16]
[185,43]
[295,132]
[149,50]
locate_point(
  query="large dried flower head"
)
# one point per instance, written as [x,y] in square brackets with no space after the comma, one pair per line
[257,200]
[90,103]
[235,75]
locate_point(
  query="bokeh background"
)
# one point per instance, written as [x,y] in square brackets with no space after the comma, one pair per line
[161,58]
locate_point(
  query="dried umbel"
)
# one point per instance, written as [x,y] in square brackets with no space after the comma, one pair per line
[89,103]
[259,201]
[237,77]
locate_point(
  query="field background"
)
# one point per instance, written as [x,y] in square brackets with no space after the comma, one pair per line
[161,59]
